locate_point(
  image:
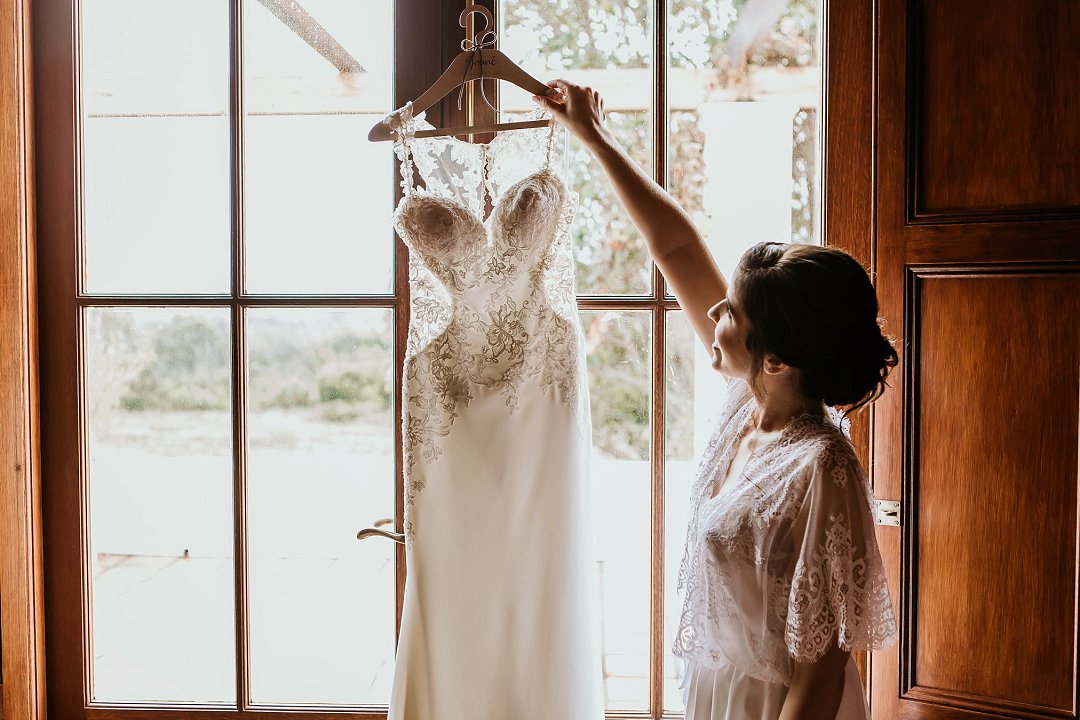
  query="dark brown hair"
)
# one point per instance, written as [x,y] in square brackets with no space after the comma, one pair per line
[815,309]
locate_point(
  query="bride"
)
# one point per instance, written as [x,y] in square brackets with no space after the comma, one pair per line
[781,578]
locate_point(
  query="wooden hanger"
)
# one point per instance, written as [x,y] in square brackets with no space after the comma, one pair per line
[478,59]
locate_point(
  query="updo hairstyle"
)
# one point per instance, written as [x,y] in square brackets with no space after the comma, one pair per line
[815,309]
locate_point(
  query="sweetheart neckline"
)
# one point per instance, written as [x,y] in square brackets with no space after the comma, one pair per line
[494,206]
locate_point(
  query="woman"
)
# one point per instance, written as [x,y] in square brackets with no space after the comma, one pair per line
[781,578]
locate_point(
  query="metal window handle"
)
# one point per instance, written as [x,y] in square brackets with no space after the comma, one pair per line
[376,531]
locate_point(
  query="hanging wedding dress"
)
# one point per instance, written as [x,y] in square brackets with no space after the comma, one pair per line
[781,565]
[499,619]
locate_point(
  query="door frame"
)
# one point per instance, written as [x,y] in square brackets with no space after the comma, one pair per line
[848,221]
[22,685]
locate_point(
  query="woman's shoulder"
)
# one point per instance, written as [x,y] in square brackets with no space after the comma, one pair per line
[820,449]
[823,437]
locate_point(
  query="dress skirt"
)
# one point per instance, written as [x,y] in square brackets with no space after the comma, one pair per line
[727,693]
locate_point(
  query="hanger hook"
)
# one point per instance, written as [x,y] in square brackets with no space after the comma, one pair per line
[488,21]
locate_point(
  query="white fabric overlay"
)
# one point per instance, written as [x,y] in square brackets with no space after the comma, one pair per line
[499,617]
[780,566]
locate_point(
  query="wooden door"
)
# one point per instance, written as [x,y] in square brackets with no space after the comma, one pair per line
[977,252]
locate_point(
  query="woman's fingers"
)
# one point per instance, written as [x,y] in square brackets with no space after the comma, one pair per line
[555,99]
[577,95]
[560,90]
[578,107]
[548,103]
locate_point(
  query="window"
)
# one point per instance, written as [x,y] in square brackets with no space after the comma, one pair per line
[228,269]
[726,119]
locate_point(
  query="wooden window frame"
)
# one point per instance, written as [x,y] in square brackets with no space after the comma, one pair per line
[848,178]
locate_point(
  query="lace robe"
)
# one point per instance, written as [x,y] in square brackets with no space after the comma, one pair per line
[783,563]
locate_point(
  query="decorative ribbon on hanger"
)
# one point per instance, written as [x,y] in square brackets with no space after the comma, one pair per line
[483,39]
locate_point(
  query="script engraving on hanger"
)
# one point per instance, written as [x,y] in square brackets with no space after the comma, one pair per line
[479,63]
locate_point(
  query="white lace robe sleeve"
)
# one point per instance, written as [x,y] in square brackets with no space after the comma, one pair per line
[839,594]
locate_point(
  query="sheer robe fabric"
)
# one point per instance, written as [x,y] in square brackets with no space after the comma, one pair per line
[780,566]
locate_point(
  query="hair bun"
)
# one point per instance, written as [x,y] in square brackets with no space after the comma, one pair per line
[858,370]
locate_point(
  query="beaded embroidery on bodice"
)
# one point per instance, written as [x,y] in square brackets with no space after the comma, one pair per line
[493,301]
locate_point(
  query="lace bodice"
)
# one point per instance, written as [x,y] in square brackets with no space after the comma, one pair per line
[493,303]
[783,563]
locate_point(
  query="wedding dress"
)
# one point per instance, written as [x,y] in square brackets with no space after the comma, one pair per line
[781,565]
[499,618]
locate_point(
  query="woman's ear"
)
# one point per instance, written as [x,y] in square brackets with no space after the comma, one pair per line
[772,365]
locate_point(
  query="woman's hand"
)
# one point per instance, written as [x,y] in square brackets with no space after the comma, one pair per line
[580,109]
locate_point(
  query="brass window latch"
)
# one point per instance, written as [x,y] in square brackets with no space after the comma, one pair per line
[887,512]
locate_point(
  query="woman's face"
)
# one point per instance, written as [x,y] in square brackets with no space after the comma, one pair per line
[730,355]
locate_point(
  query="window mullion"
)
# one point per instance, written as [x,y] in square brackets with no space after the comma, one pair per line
[657,404]
[239,373]
[657,408]
[660,115]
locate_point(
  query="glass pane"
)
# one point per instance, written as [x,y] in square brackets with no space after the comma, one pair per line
[619,350]
[607,46]
[318,197]
[320,467]
[161,504]
[693,393]
[155,101]
[744,104]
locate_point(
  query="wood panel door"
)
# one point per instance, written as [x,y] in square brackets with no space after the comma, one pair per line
[978,270]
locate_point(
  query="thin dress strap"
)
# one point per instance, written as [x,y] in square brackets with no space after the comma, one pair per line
[550,143]
[402,121]
[486,192]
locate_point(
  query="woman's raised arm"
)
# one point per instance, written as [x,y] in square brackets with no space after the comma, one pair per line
[674,242]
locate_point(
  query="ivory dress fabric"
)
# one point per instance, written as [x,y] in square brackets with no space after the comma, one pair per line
[499,617]
[778,567]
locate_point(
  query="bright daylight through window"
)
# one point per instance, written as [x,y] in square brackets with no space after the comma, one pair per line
[742,86]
